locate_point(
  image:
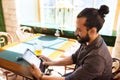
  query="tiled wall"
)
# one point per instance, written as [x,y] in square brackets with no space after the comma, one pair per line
[9,12]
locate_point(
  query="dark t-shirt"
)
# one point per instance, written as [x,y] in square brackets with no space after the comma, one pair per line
[93,62]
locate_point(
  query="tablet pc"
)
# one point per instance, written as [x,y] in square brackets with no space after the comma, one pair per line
[31,58]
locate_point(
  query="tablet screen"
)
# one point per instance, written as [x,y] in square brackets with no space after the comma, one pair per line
[31,58]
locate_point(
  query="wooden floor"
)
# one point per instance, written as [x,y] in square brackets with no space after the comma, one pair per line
[15,78]
[57,71]
[10,76]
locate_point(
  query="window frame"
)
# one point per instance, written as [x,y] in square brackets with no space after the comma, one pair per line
[113,31]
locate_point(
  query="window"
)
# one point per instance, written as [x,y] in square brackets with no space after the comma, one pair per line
[62,13]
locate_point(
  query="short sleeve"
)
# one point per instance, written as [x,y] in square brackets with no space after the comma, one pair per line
[74,56]
[92,67]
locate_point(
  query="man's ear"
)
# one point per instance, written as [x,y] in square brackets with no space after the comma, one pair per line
[93,30]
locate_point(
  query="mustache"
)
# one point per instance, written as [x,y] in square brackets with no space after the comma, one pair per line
[82,39]
[78,36]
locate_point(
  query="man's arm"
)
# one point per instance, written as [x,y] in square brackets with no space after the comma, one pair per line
[92,67]
[40,76]
[45,77]
[61,62]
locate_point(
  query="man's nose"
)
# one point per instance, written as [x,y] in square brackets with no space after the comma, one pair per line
[75,32]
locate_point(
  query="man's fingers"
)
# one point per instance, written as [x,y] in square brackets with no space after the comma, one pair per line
[33,66]
[42,57]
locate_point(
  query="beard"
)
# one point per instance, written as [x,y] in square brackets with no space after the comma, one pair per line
[83,39]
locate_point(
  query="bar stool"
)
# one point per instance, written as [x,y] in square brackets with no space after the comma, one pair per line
[2,41]
[116,69]
[5,39]
[24,32]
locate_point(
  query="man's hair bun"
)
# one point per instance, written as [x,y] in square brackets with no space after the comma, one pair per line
[103,10]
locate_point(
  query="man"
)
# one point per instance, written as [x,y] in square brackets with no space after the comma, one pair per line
[93,60]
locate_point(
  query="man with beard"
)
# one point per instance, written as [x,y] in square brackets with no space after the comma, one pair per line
[92,60]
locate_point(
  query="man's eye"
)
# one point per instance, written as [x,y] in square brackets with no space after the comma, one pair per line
[78,29]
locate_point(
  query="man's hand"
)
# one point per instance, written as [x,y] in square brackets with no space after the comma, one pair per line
[61,62]
[36,72]
[46,60]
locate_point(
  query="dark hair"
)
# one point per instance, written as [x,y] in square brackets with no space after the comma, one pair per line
[95,17]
